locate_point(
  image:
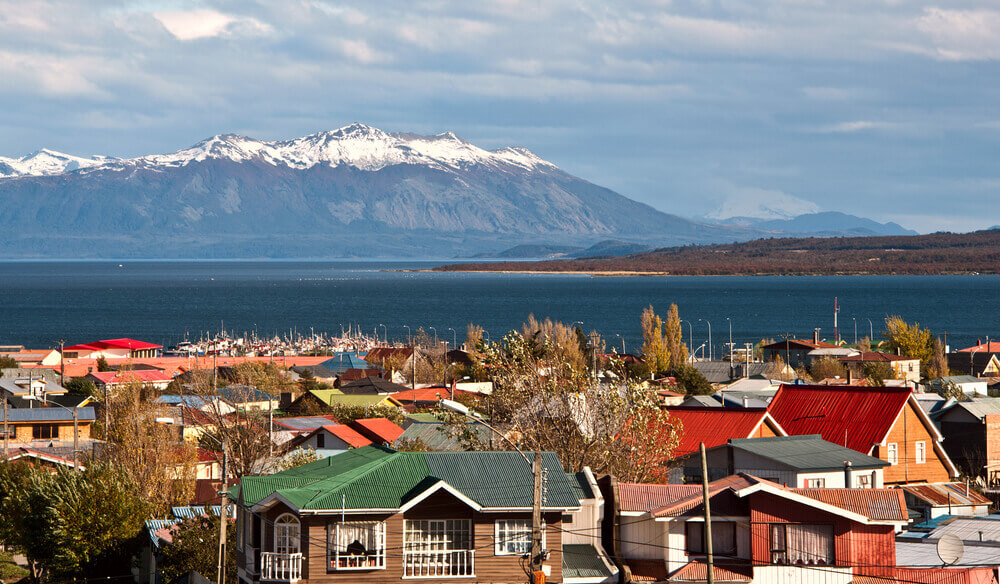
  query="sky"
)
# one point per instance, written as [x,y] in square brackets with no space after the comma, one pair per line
[886,109]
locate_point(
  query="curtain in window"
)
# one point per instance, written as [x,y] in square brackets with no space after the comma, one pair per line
[807,544]
[356,538]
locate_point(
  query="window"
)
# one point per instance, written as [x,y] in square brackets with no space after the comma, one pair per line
[286,534]
[723,537]
[436,548]
[801,544]
[891,455]
[513,537]
[815,483]
[357,545]
[44,431]
[863,481]
[921,450]
[321,440]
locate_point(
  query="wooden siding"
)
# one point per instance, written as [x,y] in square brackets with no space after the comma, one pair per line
[489,567]
[21,433]
[870,549]
[765,431]
[905,433]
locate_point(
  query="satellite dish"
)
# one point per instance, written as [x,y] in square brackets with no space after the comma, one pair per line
[950,549]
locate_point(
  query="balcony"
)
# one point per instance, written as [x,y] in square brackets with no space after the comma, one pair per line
[439,564]
[275,567]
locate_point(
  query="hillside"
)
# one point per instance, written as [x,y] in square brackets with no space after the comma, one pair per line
[937,253]
[356,191]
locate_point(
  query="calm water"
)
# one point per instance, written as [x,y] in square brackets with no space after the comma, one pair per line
[158,301]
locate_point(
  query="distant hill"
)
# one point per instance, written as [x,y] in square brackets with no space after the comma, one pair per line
[937,253]
[610,247]
[825,224]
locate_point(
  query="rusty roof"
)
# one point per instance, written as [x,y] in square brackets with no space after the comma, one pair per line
[721,572]
[941,494]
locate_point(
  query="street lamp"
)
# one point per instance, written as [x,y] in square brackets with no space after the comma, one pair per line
[435,335]
[385,333]
[408,339]
[855,331]
[536,471]
[710,353]
[454,337]
[623,342]
[690,333]
[730,321]
[871,330]
[76,425]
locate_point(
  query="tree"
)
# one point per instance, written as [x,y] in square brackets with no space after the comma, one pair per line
[8,363]
[556,341]
[826,368]
[673,337]
[298,458]
[654,348]
[194,546]
[82,386]
[543,401]
[73,523]
[690,380]
[473,337]
[876,372]
[102,364]
[938,366]
[910,340]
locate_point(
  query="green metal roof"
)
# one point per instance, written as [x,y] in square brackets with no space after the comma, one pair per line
[581,487]
[424,417]
[581,560]
[381,478]
[807,453]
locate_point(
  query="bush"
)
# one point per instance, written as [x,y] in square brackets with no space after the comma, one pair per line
[691,380]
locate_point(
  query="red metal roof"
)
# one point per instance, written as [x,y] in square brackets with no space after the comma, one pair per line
[381,429]
[130,344]
[876,504]
[990,347]
[426,394]
[713,425]
[803,344]
[852,416]
[347,434]
[643,498]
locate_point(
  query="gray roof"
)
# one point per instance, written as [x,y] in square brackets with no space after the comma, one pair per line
[303,422]
[923,553]
[759,398]
[700,401]
[48,414]
[35,372]
[973,529]
[956,379]
[9,385]
[807,453]
[978,408]
[244,394]
[435,436]
[582,560]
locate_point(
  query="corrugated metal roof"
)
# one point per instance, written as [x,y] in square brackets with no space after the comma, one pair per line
[381,478]
[713,425]
[855,417]
[876,504]
[644,498]
[985,529]
[304,423]
[341,362]
[347,434]
[582,560]
[943,494]
[721,572]
[435,437]
[580,484]
[807,453]
[47,414]
[381,428]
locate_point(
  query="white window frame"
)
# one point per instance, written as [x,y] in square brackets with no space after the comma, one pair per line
[862,481]
[503,534]
[436,555]
[892,453]
[812,483]
[920,450]
[287,530]
[341,561]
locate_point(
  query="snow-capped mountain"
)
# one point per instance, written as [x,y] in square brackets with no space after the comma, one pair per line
[358,146]
[356,191]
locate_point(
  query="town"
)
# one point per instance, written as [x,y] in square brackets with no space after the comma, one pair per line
[545,456]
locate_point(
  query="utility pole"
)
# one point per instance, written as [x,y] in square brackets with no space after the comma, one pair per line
[836,331]
[536,518]
[62,363]
[223,512]
[5,428]
[709,577]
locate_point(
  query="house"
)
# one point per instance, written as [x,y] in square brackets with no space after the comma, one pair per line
[971,431]
[884,422]
[903,367]
[34,426]
[355,375]
[30,385]
[330,439]
[30,357]
[762,532]
[324,400]
[982,360]
[427,397]
[794,352]
[111,380]
[585,561]
[935,500]
[714,426]
[303,424]
[247,398]
[835,353]
[377,515]
[370,386]
[980,538]
[967,384]
[792,461]
[722,372]
[204,403]
[112,349]
[434,435]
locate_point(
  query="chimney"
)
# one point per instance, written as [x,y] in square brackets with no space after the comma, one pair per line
[815,337]
[746,401]
[847,474]
[849,376]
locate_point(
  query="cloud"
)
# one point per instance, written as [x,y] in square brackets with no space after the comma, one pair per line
[188,25]
[851,127]
[362,52]
[960,35]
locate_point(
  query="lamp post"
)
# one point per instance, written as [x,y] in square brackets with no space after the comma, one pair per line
[730,321]
[711,354]
[76,424]
[690,334]
[435,335]
[871,330]
[623,342]
[385,333]
[536,471]
[454,337]
[409,340]
[855,331]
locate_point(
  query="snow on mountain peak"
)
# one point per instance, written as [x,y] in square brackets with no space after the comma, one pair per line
[356,145]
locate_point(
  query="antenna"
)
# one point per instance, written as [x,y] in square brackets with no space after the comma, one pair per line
[950,549]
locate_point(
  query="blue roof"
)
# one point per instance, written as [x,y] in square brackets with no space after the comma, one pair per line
[341,362]
[191,401]
[48,414]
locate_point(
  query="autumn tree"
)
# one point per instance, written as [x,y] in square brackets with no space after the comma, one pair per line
[826,368]
[876,372]
[473,337]
[673,337]
[910,340]
[543,401]
[654,347]
[557,341]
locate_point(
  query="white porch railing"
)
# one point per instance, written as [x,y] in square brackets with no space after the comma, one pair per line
[276,567]
[439,564]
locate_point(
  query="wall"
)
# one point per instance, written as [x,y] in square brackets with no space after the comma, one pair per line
[23,432]
[908,430]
